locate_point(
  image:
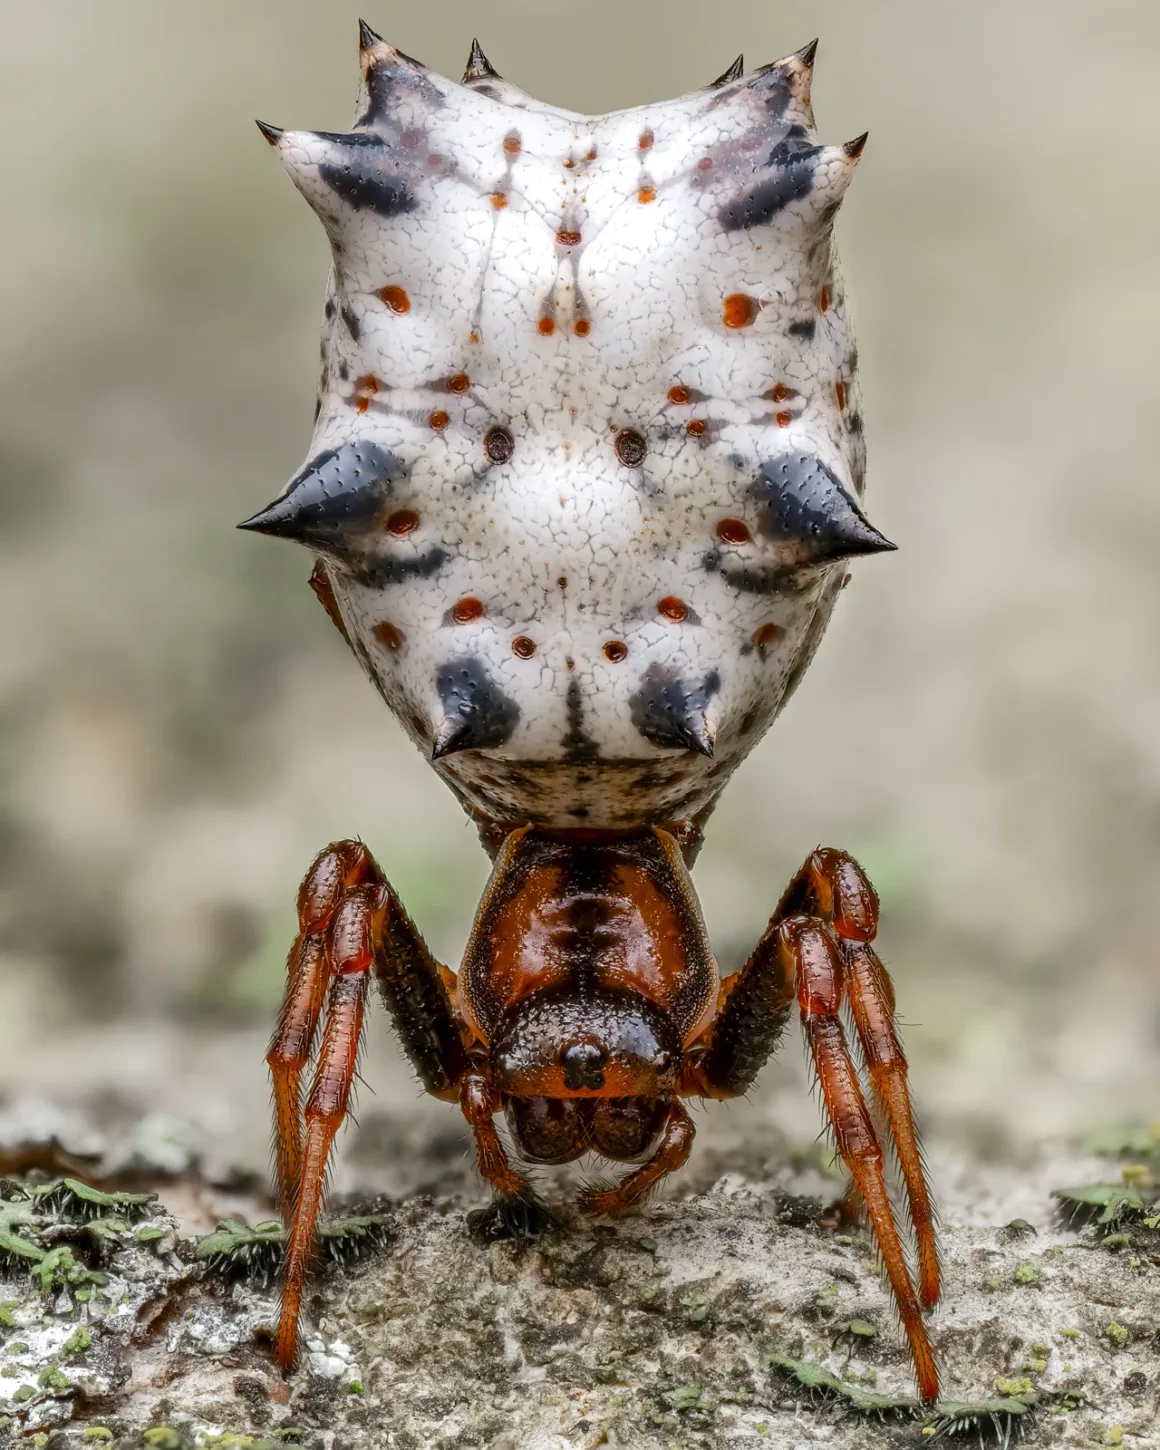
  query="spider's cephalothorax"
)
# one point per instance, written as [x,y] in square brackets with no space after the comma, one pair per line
[587,465]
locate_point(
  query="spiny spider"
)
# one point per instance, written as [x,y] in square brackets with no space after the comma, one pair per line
[586,469]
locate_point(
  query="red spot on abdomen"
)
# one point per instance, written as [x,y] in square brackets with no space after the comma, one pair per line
[672,608]
[388,635]
[467,610]
[733,531]
[395,298]
[739,310]
[402,522]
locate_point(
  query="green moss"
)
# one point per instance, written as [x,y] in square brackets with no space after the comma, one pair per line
[1117,1334]
[71,1198]
[1013,1388]
[1027,1273]
[998,1420]
[685,1397]
[1104,1202]
[14,1248]
[817,1380]
[60,1269]
[23,1393]
[862,1328]
[1114,1435]
[239,1250]
[162,1437]
[96,1434]
[7,1317]
[78,1341]
[53,1379]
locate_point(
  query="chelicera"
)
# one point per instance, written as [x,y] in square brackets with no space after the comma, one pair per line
[586,611]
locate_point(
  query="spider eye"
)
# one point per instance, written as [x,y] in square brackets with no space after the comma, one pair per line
[583,1064]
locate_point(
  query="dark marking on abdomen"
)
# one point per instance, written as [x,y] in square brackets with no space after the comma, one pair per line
[793,178]
[359,186]
[478,715]
[579,747]
[670,711]
[379,573]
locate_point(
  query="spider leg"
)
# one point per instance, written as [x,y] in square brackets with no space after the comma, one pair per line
[349,949]
[817,948]
[515,1212]
[479,1103]
[351,924]
[871,998]
[809,951]
[756,1004]
[672,1151]
[334,869]
[833,886]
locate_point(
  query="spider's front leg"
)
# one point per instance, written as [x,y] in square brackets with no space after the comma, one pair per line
[817,948]
[350,924]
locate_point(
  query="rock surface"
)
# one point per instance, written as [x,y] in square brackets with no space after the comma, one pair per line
[731,1313]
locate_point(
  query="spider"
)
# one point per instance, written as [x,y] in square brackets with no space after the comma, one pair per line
[587,470]
[588,1004]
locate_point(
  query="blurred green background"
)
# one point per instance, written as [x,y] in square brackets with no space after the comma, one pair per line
[181,727]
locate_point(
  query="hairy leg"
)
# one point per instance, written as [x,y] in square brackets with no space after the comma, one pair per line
[871,998]
[351,925]
[817,948]
[815,959]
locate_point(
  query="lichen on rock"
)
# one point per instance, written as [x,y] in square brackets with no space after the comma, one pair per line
[735,1316]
